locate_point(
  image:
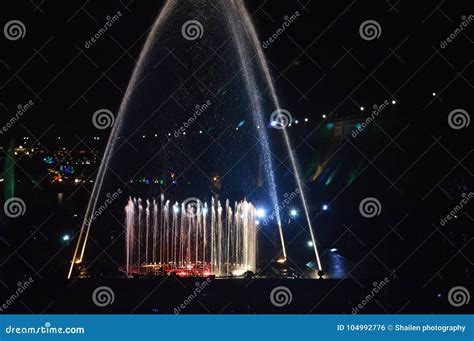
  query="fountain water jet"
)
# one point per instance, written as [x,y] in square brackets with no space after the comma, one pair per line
[250,30]
[138,93]
[185,248]
[86,225]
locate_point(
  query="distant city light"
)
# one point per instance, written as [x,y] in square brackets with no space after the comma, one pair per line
[296,121]
[306,120]
[394,102]
[310,243]
[434,94]
[324,116]
[362,108]
[261,213]
[293,213]
[66,237]
[325,207]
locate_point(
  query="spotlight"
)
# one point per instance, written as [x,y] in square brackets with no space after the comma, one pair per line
[306,120]
[293,213]
[204,210]
[394,102]
[434,94]
[274,123]
[66,237]
[324,116]
[296,121]
[310,243]
[362,108]
[260,213]
[325,207]
[175,209]
[333,249]
[257,222]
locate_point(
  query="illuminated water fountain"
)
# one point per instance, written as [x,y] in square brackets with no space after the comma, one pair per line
[200,51]
[190,239]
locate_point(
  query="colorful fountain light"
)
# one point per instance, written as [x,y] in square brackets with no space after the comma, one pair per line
[190,239]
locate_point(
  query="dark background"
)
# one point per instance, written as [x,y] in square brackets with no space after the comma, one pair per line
[412,160]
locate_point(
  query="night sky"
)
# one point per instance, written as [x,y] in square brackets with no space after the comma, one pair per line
[414,158]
